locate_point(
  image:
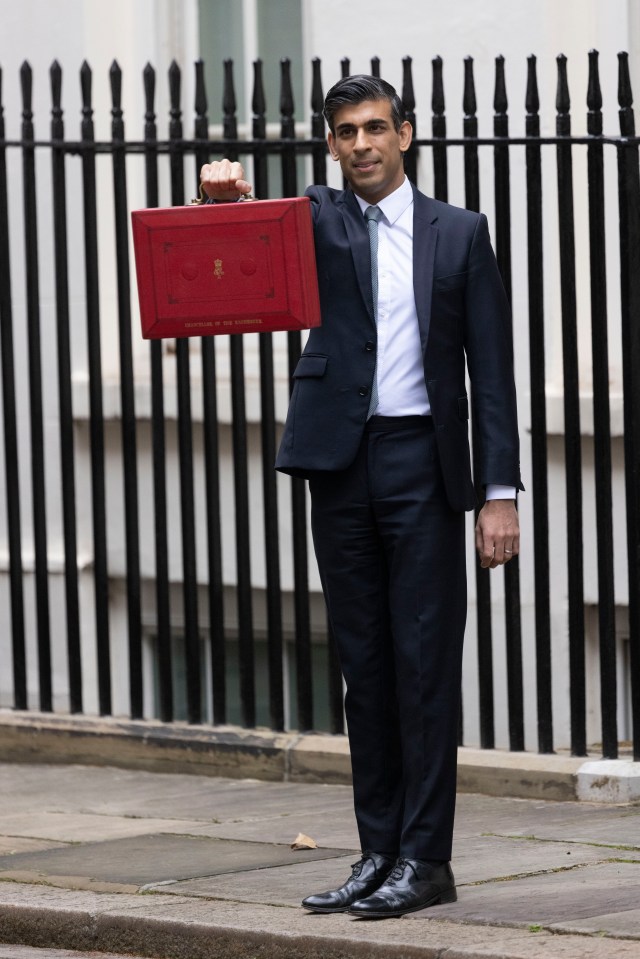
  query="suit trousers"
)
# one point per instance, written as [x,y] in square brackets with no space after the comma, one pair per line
[391,555]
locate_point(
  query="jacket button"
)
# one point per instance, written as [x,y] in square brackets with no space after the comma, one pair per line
[369,346]
[363,391]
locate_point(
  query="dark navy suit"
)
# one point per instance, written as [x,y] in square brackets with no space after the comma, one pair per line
[388,502]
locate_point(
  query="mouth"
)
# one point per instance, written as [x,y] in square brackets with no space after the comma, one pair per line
[365,166]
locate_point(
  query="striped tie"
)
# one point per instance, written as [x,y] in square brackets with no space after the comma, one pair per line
[372,214]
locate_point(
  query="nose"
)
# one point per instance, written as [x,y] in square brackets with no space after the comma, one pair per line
[362,139]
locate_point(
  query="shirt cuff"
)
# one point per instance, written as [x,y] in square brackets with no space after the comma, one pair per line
[494,491]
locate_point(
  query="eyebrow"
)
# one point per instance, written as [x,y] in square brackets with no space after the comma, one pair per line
[348,126]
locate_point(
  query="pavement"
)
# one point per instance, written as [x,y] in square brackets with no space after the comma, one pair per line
[108,861]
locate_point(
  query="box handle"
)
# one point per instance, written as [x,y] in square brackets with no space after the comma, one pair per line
[246,197]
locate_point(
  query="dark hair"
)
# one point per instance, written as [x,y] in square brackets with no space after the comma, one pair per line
[356,89]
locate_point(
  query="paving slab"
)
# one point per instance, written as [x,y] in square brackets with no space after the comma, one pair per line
[553,898]
[495,857]
[141,860]
[120,792]
[64,827]
[626,924]
[282,886]
[9,845]
[566,821]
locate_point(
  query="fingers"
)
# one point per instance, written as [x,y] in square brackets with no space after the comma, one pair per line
[491,557]
[497,552]
[503,551]
[497,534]
[224,180]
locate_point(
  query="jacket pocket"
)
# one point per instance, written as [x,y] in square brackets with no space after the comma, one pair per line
[442,284]
[463,407]
[310,364]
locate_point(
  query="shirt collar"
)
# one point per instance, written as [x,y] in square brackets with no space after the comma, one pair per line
[394,205]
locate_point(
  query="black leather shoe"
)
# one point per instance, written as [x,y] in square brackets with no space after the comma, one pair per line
[411,885]
[366,876]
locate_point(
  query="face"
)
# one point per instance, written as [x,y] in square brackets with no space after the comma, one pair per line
[369,148]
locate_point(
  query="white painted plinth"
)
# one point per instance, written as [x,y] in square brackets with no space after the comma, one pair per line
[609,780]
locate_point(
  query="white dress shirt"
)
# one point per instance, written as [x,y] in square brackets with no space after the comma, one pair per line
[402,390]
[399,368]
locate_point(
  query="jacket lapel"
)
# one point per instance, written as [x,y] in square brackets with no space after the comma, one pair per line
[359,243]
[425,236]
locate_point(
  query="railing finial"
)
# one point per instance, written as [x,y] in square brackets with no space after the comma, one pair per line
[258,99]
[287,104]
[500,101]
[563,100]
[532,98]
[625,97]
[469,96]
[200,100]
[594,97]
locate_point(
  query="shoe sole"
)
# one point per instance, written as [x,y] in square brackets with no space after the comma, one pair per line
[325,911]
[442,899]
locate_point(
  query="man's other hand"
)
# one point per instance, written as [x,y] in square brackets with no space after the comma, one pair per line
[224,180]
[497,533]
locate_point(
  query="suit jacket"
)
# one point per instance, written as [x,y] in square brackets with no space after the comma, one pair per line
[462,311]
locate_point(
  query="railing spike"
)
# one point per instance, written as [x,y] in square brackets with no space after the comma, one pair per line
[437,93]
[175,113]
[229,122]
[200,100]
[55,75]
[563,100]
[317,95]
[115,77]
[287,105]
[85,86]
[149,83]
[625,94]
[258,100]
[625,97]
[345,67]
[175,81]
[500,101]
[469,97]
[532,98]
[594,97]
[26,83]
[594,92]
[408,95]
[375,67]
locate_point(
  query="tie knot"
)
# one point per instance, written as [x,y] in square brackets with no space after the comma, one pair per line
[373,213]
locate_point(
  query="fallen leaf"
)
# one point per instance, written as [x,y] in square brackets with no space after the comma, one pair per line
[304,842]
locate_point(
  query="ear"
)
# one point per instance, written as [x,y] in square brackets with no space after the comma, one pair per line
[405,134]
[332,146]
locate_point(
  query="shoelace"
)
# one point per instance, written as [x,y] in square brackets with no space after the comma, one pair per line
[356,867]
[397,872]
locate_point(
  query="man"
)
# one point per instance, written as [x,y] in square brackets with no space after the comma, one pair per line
[378,422]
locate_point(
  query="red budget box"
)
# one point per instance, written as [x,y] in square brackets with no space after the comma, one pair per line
[241,267]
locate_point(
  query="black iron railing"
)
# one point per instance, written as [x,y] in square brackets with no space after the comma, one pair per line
[170,153]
